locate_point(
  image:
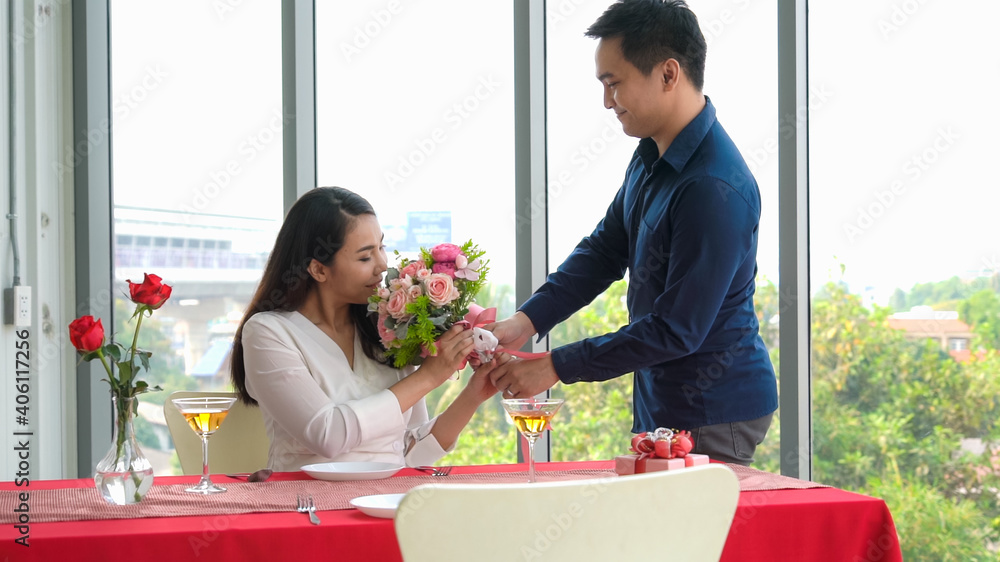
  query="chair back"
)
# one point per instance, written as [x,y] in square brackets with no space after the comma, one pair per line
[239,445]
[672,515]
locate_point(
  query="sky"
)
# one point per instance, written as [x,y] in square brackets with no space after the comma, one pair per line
[415,104]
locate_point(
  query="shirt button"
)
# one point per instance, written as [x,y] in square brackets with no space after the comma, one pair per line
[397,446]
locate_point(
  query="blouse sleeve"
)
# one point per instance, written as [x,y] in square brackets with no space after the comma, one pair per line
[422,448]
[277,377]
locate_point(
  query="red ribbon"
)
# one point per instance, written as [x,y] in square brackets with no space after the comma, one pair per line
[478,317]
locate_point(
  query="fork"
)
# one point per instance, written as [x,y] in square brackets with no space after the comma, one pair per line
[436,471]
[307,506]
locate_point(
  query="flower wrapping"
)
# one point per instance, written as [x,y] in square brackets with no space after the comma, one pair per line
[422,298]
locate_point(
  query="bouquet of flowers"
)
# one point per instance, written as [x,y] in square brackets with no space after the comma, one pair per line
[425,297]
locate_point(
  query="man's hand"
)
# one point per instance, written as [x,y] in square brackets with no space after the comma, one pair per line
[513,332]
[524,378]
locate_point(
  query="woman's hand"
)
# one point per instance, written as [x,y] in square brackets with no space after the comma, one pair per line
[452,348]
[480,388]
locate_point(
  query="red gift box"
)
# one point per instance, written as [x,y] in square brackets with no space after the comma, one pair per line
[634,464]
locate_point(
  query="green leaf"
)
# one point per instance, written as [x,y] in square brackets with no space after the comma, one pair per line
[125,371]
[144,359]
[113,351]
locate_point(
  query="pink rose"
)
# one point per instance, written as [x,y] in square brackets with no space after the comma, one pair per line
[383,292]
[388,336]
[396,307]
[445,267]
[411,269]
[441,290]
[414,292]
[445,252]
[423,274]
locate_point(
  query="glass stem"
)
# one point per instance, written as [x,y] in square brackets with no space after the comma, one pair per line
[204,459]
[531,460]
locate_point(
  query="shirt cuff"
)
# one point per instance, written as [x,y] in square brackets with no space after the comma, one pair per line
[378,415]
[422,448]
[568,359]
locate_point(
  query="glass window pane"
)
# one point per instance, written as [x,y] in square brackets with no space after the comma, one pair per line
[903,252]
[415,113]
[588,153]
[197,162]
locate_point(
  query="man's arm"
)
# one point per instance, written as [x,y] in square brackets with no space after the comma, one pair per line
[597,261]
[712,236]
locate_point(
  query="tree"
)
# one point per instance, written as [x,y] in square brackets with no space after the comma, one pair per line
[888,418]
[982,311]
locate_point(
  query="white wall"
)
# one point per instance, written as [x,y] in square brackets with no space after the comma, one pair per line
[41,126]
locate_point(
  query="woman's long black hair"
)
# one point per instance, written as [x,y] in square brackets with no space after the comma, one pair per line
[314,228]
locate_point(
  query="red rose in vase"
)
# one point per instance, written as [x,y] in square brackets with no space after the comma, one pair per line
[86,334]
[151,292]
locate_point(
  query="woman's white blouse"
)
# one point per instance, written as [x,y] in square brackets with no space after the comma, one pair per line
[317,409]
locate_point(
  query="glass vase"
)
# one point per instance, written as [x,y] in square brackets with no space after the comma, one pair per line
[124,475]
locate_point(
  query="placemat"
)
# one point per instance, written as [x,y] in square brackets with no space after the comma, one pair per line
[78,504]
[753,480]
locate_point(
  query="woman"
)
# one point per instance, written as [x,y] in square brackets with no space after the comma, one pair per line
[308,354]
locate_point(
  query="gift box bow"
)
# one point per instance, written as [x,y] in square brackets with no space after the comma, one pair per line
[663,443]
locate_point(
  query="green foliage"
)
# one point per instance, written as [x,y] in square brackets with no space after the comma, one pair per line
[932,526]
[424,322]
[596,420]
[888,417]
[953,289]
[982,311]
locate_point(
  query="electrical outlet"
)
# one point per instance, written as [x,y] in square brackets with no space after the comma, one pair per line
[17,306]
[22,305]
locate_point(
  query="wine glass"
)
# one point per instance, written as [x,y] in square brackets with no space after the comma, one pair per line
[531,417]
[204,414]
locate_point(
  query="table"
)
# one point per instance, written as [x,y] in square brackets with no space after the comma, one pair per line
[813,524]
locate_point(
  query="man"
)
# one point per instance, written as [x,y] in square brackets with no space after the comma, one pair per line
[684,224]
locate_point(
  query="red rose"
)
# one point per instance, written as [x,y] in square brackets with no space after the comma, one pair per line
[86,334]
[152,292]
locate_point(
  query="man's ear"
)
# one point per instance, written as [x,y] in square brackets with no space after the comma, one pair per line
[670,69]
[317,271]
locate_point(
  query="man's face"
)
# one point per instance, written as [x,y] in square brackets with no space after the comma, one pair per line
[636,99]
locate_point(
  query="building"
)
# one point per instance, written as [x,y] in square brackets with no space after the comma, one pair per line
[943,326]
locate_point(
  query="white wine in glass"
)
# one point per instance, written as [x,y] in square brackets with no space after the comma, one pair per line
[204,414]
[531,417]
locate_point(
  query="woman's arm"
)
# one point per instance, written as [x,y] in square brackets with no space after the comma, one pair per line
[479,389]
[453,346]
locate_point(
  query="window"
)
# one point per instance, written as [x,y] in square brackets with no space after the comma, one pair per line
[415,113]
[898,169]
[194,156]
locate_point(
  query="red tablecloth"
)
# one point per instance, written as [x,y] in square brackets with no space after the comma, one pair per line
[796,525]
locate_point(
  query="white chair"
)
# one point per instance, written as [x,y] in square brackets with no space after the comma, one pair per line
[239,445]
[674,515]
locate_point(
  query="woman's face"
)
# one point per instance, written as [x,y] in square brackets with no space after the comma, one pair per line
[358,266]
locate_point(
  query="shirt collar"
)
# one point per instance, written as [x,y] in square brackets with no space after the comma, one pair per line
[681,149]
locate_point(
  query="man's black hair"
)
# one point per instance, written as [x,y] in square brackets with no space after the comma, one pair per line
[653,31]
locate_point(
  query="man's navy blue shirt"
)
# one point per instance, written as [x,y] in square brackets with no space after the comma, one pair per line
[684,225]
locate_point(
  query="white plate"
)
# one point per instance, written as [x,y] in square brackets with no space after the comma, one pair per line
[382,505]
[351,470]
